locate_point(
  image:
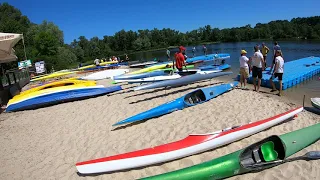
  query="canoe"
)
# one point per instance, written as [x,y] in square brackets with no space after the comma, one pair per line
[215,67]
[105,74]
[192,144]
[262,155]
[203,75]
[53,75]
[191,99]
[57,92]
[315,102]
[160,72]
[166,77]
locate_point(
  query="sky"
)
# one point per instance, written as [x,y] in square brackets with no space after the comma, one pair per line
[91,18]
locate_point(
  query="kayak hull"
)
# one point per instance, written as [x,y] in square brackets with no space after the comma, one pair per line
[61,96]
[315,102]
[193,144]
[235,164]
[213,67]
[105,74]
[190,99]
[184,80]
[167,77]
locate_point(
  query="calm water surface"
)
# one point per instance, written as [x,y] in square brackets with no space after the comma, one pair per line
[291,51]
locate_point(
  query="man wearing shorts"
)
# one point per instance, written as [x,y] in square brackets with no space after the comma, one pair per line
[244,69]
[277,72]
[180,59]
[258,65]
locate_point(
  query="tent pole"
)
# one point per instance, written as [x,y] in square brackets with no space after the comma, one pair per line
[24,48]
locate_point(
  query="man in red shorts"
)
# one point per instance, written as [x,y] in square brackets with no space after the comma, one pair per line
[180,60]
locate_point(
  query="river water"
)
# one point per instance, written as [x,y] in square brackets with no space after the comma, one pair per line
[292,50]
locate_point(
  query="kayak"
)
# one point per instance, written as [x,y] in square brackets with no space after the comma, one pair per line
[53,75]
[93,65]
[215,67]
[57,92]
[143,64]
[158,72]
[167,77]
[105,74]
[191,99]
[202,75]
[166,66]
[209,57]
[192,144]
[264,154]
[315,102]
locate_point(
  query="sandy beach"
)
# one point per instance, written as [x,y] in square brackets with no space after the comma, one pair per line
[46,143]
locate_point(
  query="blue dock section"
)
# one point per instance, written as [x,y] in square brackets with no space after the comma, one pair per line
[295,72]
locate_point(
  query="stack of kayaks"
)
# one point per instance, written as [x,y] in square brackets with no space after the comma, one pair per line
[57,92]
[202,75]
[191,99]
[267,153]
[105,74]
[193,144]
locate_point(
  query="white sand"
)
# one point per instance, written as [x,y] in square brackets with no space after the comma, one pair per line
[47,143]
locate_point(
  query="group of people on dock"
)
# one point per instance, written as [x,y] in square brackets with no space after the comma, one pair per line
[258,63]
[111,59]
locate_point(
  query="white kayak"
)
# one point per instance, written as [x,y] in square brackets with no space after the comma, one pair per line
[176,75]
[105,74]
[315,102]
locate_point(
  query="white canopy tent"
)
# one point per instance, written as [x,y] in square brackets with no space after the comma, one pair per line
[7,41]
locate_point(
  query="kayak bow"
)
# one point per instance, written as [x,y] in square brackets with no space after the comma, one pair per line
[256,157]
[192,144]
[193,98]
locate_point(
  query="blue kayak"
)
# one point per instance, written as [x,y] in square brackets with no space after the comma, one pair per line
[191,99]
[208,57]
[215,67]
[57,97]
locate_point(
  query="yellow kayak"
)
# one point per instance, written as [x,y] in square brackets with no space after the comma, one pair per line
[53,75]
[50,87]
[152,68]
[101,64]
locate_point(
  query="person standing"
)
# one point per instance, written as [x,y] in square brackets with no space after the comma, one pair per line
[194,51]
[258,65]
[127,58]
[275,48]
[244,68]
[277,72]
[180,59]
[96,62]
[168,54]
[265,50]
[204,50]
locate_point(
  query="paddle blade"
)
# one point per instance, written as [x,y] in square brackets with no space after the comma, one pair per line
[313,155]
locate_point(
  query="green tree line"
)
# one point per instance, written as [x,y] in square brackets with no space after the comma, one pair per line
[45,41]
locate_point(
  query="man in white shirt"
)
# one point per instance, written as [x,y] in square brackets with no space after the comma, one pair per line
[277,72]
[258,65]
[244,68]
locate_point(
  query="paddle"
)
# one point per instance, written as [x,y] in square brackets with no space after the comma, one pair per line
[312,155]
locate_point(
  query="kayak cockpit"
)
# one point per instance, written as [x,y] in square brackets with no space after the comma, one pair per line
[195,97]
[262,154]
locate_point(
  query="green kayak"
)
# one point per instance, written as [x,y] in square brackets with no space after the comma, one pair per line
[256,157]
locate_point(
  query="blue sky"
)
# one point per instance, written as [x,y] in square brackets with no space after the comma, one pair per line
[105,17]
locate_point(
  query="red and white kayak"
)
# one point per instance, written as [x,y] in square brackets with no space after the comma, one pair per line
[193,144]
